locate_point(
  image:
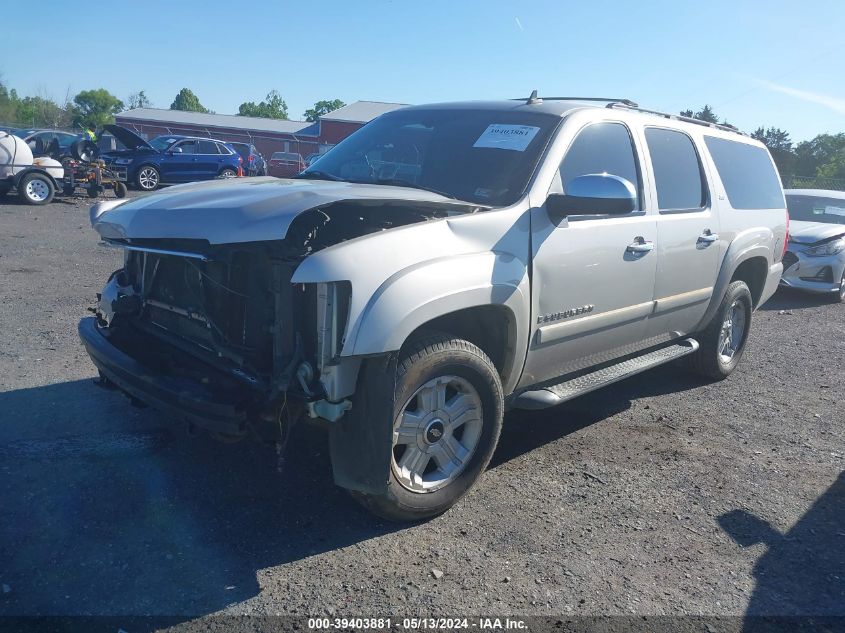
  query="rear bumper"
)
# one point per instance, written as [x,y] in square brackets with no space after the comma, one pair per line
[185,400]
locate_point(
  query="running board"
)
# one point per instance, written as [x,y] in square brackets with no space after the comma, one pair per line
[569,389]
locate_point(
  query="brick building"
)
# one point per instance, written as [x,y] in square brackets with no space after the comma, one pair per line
[268,135]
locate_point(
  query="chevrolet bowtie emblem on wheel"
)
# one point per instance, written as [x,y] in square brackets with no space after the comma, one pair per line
[557,316]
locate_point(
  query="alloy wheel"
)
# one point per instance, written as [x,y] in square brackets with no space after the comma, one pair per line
[732,332]
[436,434]
[148,178]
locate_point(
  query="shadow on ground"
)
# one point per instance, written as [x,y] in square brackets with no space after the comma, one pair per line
[791,299]
[802,572]
[111,510]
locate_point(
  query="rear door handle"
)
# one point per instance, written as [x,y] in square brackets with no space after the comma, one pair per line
[639,245]
[707,237]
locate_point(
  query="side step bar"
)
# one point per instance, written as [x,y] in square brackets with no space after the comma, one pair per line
[569,389]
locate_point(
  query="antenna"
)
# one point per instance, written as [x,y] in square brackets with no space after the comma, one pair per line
[533,98]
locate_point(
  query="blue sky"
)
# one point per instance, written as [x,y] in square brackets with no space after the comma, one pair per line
[757,62]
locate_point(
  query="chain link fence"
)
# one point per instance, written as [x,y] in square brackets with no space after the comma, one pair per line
[812,182]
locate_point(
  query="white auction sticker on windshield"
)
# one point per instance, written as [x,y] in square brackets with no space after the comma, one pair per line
[501,136]
[834,211]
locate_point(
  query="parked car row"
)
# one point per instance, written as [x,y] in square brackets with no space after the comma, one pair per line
[815,259]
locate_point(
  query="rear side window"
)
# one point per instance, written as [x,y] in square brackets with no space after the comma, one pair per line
[223,149]
[748,174]
[206,147]
[677,170]
[602,148]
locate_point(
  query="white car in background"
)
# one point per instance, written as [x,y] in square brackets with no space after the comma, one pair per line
[815,261]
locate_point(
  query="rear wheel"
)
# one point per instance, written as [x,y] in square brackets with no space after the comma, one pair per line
[36,189]
[448,409]
[228,173]
[722,342]
[147,178]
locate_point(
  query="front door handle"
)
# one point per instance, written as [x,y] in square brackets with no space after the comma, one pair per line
[708,237]
[639,245]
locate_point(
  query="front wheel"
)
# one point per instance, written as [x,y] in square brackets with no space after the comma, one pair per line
[722,342]
[36,189]
[839,297]
[147,178]
[448,408]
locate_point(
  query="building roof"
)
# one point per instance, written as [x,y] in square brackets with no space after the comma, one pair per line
[232,121]
[361,111]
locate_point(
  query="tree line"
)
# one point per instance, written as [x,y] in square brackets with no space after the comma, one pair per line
[820,157]
[91,109]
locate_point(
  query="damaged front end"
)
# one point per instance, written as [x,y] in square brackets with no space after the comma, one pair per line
[217,335]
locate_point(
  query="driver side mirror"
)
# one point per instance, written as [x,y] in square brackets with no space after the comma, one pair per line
[593,194]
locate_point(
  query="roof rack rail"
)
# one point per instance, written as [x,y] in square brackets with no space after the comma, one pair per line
[535,99]
[677,117]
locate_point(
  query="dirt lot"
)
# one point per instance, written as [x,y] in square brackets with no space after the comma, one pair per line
[661,495]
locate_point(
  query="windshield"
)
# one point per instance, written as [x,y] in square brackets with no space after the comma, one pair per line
[161,143]
[816,209]
[482,156]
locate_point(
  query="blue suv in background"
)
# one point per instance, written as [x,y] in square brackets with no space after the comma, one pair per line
[170,159]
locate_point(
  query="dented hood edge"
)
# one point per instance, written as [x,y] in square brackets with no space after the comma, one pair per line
[244,210]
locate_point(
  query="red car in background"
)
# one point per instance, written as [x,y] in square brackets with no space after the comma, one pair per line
[285,164]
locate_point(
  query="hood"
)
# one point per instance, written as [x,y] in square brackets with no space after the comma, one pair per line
[127,137]
[812,232]
[236,210]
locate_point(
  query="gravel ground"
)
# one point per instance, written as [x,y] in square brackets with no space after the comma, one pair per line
[660,495]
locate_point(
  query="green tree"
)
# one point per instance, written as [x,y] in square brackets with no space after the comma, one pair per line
[823,156]
[138,100]
[780,146]
[273,107]
[41,112]
[705,114]
[187,101]
[8,104]
[95,108]
[321,108]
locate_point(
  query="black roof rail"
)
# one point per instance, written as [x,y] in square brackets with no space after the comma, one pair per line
[678,117]
[535,99]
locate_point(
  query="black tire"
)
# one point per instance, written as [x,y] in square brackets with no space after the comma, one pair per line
[32,183]
[4,190]
[708,361]
[147,178]
[120,190]
[67,190]
[422,359]
[839,297]
[228,172]
[93,192]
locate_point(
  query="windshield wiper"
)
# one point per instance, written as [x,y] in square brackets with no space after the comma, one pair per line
[319,175]
[399,182]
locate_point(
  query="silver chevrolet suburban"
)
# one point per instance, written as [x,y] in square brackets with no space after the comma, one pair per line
[441,265]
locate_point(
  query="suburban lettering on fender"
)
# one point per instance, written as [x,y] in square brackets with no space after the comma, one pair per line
[557,316]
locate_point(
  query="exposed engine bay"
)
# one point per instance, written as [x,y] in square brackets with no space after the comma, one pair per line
[227,317]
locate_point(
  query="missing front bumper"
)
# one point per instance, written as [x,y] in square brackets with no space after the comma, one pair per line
[184,399]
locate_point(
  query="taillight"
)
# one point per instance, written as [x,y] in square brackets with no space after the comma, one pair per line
[251,158]
[240,160]
[786,237]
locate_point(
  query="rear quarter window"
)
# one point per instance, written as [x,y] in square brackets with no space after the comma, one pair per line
[747,173]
